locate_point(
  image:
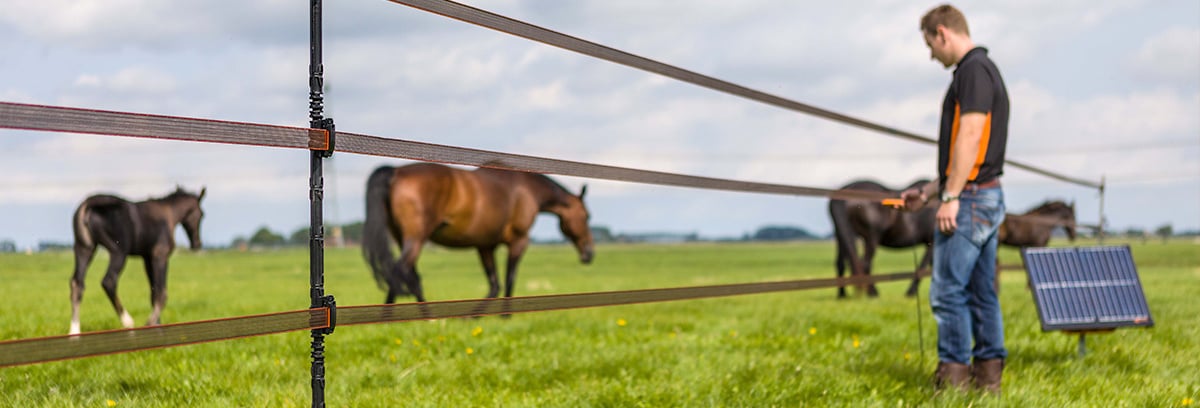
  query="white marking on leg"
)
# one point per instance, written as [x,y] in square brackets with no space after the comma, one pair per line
[74,327]
[126,320]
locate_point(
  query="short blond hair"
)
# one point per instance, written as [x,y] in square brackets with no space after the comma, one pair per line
[947,16]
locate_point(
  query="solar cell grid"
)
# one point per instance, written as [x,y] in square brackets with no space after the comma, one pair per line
[1090,288]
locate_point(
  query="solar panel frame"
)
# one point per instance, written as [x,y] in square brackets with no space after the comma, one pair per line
[1086,288]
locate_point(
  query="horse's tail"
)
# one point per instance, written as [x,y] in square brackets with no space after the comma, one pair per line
[377,244]
[83,236]
[83,231]
[843,237]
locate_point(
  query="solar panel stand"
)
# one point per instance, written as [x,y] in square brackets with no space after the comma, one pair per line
[1083,338]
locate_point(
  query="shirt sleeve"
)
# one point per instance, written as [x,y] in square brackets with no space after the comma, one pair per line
[974,89]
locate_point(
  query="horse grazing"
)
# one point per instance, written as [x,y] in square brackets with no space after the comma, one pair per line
[877,224]
[124,228]
[1034,227]
[458,208]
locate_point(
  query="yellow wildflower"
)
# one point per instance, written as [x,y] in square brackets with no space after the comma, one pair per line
[110,403]
[812,331]
[621,322]
[470,351]
[477,331]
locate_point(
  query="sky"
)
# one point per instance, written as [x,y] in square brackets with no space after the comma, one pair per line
[1100,90]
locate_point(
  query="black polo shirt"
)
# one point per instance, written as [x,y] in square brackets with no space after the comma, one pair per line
[977,87]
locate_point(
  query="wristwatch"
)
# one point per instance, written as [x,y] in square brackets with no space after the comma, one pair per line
[948,198]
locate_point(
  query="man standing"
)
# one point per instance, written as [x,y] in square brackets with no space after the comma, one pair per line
[971,143]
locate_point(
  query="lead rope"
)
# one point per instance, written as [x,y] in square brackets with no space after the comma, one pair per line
[920,326]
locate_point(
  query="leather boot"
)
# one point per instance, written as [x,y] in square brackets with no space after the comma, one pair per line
[987,374]
[952,375]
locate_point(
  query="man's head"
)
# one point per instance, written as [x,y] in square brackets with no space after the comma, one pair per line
[946,34]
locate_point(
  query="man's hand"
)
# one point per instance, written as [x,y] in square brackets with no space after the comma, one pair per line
[947,217]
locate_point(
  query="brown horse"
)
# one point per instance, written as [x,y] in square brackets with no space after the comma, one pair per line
[458,208]
[877,224]
[1034,227]
[124,228]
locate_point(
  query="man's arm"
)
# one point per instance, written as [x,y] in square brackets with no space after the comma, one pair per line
[965,151]
[962,160]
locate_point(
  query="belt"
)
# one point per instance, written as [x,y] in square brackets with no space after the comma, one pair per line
[972,186]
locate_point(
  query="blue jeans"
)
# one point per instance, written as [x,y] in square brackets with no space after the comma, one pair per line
[962,293]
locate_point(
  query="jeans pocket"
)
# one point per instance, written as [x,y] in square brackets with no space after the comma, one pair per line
[985,219]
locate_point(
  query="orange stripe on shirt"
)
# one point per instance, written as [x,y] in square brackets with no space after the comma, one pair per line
[983,143]
[983,147]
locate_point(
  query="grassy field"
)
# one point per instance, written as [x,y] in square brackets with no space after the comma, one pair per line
[787,349]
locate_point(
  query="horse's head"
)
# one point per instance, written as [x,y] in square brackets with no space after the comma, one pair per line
[1071,226]
[1061,210]
[192,214]
[573,219]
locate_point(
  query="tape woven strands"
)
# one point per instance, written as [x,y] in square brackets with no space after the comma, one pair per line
[378,146]
[37,350]
[351,315]
[484,18]
[75,120]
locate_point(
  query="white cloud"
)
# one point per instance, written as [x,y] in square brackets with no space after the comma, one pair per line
[1171,56]
[131,80]
[116,24]
[398,72]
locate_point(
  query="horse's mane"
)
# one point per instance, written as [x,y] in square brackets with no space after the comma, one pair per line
[1051,204]
[1053,207]
[178,193]
[559,190]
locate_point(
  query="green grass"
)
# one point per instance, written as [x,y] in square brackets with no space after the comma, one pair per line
[791,349]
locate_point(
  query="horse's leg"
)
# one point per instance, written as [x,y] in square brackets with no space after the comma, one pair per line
[406,269]
[839,263]
[156,273]
[83,258]
[869,246]
[115,265]
[515,250]
[857,265]
[487,256]
[926,261]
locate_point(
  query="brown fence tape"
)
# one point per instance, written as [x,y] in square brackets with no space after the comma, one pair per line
[351,315]
[379,146]
[91,121]
[45,349]
[39,350]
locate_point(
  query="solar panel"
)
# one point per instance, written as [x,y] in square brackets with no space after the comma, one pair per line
[1086,288]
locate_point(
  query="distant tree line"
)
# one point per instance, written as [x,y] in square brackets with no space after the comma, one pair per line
[264,237]
[351,234]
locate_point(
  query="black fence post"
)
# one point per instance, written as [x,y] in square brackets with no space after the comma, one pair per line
[316,181]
